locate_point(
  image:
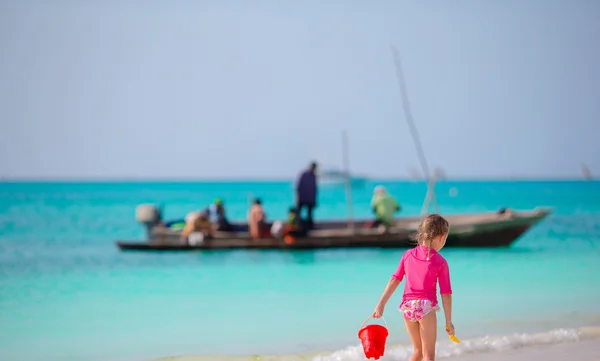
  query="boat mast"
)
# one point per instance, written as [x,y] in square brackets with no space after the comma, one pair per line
[430,196]
[346,163]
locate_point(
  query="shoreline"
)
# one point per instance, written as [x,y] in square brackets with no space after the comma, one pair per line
[553,345]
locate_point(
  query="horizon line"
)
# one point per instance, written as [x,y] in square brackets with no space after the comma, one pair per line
[280,179]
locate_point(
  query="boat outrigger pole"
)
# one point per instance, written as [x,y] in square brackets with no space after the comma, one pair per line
[346,163]
[430,196]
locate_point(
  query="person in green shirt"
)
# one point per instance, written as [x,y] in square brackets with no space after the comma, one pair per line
[384,206]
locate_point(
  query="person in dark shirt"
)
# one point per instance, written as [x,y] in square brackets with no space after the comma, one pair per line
[306,192]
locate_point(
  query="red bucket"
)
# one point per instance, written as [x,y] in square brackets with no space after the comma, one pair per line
[373,338]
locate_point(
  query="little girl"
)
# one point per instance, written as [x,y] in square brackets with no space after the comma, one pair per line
[423,267]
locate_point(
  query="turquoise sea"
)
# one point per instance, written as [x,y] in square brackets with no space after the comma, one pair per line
[67,293]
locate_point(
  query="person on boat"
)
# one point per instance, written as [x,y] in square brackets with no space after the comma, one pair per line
[384,206]
[256,220]
[217,216]
[293,227]
[197,222]
[306,193]
[160,222]
[292,218]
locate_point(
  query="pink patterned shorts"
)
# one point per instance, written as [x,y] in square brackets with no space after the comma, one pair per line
[414,310]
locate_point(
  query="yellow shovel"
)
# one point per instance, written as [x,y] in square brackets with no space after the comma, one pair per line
[452,337]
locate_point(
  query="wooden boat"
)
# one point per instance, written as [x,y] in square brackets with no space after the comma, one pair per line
[334,177]
[491,229]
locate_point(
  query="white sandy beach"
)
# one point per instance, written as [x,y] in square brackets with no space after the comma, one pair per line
[588,350]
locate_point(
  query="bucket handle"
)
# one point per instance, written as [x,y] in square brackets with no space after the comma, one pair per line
[370,317]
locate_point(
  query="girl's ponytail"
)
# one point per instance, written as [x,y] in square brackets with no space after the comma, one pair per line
[429,249]
[431,227]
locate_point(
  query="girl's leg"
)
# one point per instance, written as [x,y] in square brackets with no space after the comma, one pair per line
[415,336]
[428,331]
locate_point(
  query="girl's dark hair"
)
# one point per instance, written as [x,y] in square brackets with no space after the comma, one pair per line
[431,227]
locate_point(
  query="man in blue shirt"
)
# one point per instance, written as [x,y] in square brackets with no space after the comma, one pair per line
[216,216]
[306,192]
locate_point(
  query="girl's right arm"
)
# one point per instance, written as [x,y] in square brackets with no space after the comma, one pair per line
[387,293]
[446,292]
[447,303]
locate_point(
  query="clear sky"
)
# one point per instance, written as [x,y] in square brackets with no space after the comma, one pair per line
[235,88]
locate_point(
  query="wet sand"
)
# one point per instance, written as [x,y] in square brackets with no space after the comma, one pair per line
[588,350]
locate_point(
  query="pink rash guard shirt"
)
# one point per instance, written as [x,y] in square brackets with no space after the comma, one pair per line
[422,276]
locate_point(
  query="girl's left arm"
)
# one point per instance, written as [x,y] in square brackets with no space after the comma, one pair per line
[385,297]
[390,288]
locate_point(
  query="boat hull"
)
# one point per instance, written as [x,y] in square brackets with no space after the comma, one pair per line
[482,230]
